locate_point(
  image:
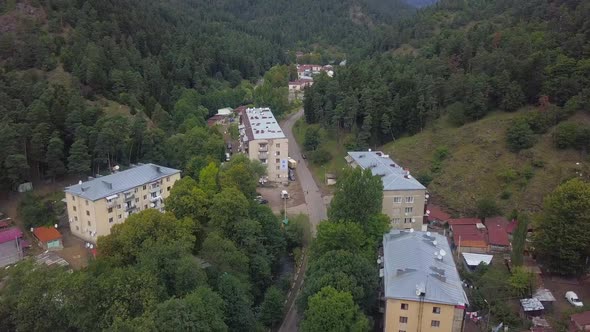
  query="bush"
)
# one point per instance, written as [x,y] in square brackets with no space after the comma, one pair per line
[519,135]
[320,156]
[35,212]
[456,112]
[565,135]
[424,178]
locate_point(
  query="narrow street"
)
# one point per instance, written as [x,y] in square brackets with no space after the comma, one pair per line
[316,210]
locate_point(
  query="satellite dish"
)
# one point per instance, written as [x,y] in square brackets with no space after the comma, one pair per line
[92,246]
[434,242]
[116,168]
[418,292]
[32,229]
[411,230]
[80,182]
[427,211]
[55,225]
[428,233]
[443,253]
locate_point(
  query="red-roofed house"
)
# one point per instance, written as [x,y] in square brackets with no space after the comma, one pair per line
[48,237]
[467,237]
[497,236]
[436,214]
[580,322]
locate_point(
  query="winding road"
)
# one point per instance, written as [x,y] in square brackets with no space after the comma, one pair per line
[316,210]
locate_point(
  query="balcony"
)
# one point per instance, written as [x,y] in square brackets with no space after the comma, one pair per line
[155,199]
[129,195]
[154,188]
[263,148]
[129,207]
[263,155]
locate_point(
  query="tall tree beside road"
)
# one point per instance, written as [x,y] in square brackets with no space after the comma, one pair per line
[519,239]
[333,311]
[358,197]
[563,229]
[79,159]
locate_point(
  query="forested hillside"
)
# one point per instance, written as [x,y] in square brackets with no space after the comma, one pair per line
[85,84]
[462,59]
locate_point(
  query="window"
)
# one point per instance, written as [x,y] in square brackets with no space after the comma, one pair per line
[436,310]
[168,179]
[135,191]
[73,198]
[278,145]
[407,220]
[278,168]
[119,216]
[86,202]
[277,160]
[404,306]
[397,220]
[89,223]
[145,206]
[74,208]
[118,206]
[408,210]
[278,153]
[154,195]
[110,220]
[75,218]
[168,189]
[137,200]
[77,228]
[435,323]
[397,199]
[403,319]
[410,199]
[87,212]
[110,210]
[144,187]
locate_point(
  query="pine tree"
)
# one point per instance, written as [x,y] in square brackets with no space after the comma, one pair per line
[79,159]
[54,156]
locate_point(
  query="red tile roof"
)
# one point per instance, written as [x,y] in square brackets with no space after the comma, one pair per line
[467,235]
[436,213]
[464,221]
[582,318]
[497,234]
[46,234]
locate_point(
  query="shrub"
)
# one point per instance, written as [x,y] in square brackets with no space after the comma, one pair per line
[456,112]
[565,135]
[320,156]
[424,178]
[519,135]
[35,212]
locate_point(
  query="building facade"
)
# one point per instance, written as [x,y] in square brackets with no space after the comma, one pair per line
[404,198]
[264,140]
[97,205]
[421,287]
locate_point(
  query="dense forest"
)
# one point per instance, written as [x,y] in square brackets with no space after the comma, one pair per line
[86,84]
[462,60]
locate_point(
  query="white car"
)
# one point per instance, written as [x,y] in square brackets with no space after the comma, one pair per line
[572,298]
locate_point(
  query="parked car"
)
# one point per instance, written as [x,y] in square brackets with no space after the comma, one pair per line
[573,299]
[260,200]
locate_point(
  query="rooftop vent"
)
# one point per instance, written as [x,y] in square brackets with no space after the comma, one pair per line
[108,184]
[438,270]
[439,277]
[400,272]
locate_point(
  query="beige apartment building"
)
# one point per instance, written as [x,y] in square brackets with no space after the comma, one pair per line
[97,205]
[264,140]
[421,288]
[404,198]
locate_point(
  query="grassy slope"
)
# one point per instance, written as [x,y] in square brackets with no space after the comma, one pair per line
[479,164]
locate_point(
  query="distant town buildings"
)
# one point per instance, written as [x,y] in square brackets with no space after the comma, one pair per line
[421,287]
[263,139]
[305,74]
[96,205]
[404,198]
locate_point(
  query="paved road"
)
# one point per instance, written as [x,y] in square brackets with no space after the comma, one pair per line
[316,210]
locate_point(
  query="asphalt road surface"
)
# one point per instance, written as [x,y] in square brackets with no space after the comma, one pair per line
[317,212]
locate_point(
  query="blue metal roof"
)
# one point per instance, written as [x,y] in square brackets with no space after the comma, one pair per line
[104,186]
[413,263]
[394,177]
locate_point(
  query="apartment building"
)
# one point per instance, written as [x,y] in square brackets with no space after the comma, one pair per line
[97,205]
[421,288]
[264,140]
[404,198]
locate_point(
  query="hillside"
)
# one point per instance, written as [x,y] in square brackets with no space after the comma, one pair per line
[479,164]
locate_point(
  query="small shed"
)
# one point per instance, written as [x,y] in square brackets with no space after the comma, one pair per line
[11,246]
[48,237]
[546,297]
[531,307]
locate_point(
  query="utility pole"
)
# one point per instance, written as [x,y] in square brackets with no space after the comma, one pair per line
[489,314]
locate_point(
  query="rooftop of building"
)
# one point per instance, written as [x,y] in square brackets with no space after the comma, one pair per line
[260,123]
[436,213]
[582,318]
[46,234]
[418,266]
[105,186]
[497,234]
[394,176]
[10,234]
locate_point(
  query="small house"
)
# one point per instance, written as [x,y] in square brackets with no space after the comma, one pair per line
[11,246]
[472,261]
[48,237]
[497,237]
[580,322]
[531,307]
